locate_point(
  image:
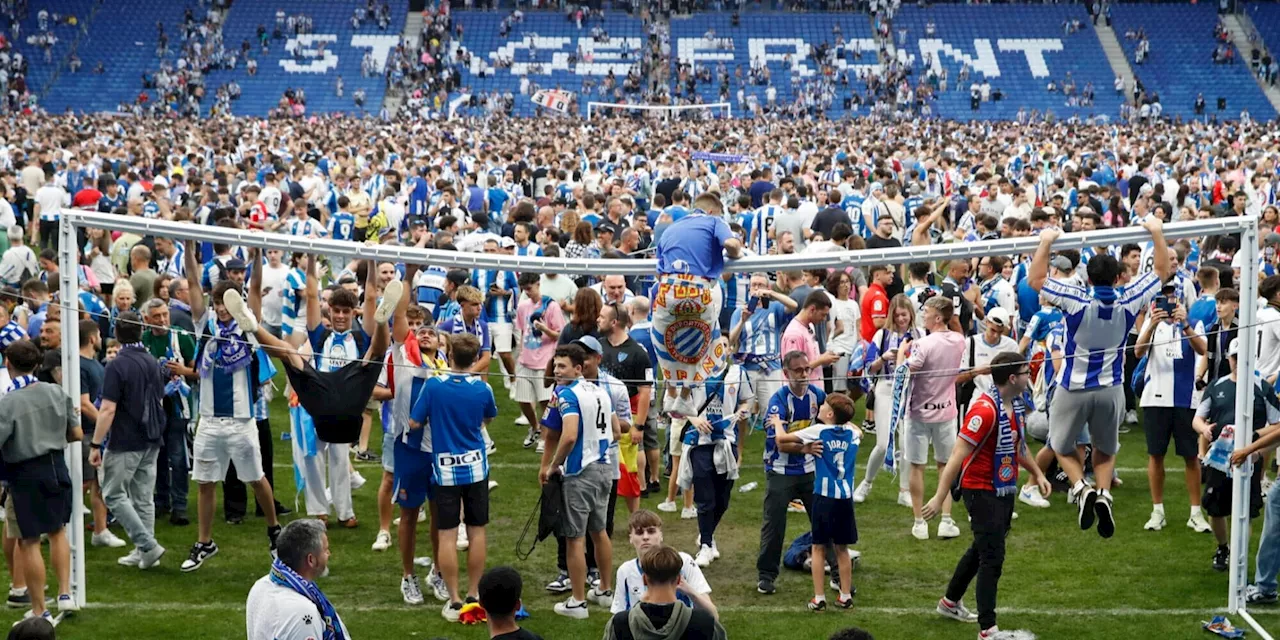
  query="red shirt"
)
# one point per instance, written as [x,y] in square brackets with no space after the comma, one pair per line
[87,198]
[875,304]
[979,429]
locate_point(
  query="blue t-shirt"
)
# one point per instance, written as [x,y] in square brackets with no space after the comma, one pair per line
[456,406]
[694,247]
[797,412]
[833,470]
[92,374]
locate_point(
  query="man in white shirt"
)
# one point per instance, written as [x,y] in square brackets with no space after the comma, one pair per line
[1268,322]
[286,604]
[273,287]
[18,260]
[50,199]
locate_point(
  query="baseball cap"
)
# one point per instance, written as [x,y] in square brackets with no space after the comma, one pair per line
[875,186]
[1234,347]
[507,243]
[458,277]
[590,344]
[1271,239]
[1061,263]
[1000,317]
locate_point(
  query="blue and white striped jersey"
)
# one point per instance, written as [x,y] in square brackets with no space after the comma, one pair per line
[1170,379]
[760,342]
[1098,320]
[342,225]
[223,394]
[335,349]
[762,223]
[457,406]
[295,302]
[833,470]
[497,308]
[174,266]
[594,409]
[796,412]
[306,228]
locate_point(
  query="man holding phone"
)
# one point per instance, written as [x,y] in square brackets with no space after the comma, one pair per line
[755,337]
[1171,346]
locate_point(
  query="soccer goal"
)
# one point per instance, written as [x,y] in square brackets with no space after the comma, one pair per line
[659,111]
[1247,227]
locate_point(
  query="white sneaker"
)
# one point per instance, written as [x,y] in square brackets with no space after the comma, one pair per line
[410,591]
[688,513]
[920,530]
[705,556]
[947,529]
[151,558]
[390,298]
[904,498]
[383,541]
[572,609]
[542,446]
[529,438]
[423,561]
[239,311]
[522,421]
[357,480]
[1198,524]
[1031,495]
[438,586]
[491,449]
[67,603]
[1156,521]
[860,494]
[493,484]
[855,556]
[452,611]
[715,550]
[130,560]
[668,506]
[1131,417]
[463,543]
[602,598]
[107,539]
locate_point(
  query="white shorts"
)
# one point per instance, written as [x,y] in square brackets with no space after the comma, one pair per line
[673,436]
[763,386]
[501,335]
[529,387]
[221,441]
[920,434]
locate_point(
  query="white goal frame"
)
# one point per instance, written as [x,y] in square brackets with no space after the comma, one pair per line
[1246,226]
[666,110]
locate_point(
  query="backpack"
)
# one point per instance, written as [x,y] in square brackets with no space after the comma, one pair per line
[798,552]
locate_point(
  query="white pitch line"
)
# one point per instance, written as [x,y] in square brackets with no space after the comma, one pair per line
[1115,612]
[533,466]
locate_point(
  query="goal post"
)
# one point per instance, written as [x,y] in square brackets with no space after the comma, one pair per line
[665,112]
[1247,226]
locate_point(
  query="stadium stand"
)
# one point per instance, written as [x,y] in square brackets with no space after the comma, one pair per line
[1266,20]
[40,70]
[1180,67]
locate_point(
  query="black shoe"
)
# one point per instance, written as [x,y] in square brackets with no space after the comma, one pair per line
[1106,520]
[236,520]
[1222,558]
[1085,502]
[766,587]
[272,534]
[817,605]
[282,510]
[178,519]
[654,487]
[19,601]
[364,456]
[471,600]
[199,554]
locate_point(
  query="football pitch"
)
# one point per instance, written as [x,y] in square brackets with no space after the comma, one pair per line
[1058,581]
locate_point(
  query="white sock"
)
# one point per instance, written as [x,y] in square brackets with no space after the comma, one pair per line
[1159,508]
[1079,486]
[819,598]
[919,520]
[1195,510]
[1105,493]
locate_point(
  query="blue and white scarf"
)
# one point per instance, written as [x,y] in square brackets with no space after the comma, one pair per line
[227,350]
[282,575]
[22,381]
[1005,463]
[898,413]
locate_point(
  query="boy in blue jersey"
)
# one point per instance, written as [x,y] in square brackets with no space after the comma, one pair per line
[457,406]
[836,443]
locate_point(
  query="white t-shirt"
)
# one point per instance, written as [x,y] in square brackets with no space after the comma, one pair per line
[273,612]
[848,313]
[1268,321]
[273,299]
[983,354]
[628,587]
[270,199]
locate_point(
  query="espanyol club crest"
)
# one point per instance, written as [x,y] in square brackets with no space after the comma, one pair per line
[686,340]
[1006,468]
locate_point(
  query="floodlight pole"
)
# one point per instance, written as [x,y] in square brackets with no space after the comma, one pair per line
[69,301]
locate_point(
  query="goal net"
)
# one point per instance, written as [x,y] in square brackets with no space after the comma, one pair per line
[660,112]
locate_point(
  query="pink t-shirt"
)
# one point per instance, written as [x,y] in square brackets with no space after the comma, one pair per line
[537,348]
[799,337]
[935,362]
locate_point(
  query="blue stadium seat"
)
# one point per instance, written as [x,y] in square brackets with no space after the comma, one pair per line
[39,72]
[1180,65]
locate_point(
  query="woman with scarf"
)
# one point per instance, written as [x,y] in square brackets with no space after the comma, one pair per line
[983,471]
[286,604]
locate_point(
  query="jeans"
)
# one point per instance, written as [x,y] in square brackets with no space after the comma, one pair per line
[991,516]
[1269,543]
[172,482]
[711,491]
[129,479]
[235,497]
[780,490]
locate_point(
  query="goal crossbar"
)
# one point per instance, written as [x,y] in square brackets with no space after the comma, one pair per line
[677,108]
[1247,226]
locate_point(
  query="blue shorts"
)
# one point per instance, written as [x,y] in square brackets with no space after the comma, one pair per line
[413,485]
[832,521]
[388,452]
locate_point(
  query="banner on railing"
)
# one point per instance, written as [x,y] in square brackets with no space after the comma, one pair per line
[731,158]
